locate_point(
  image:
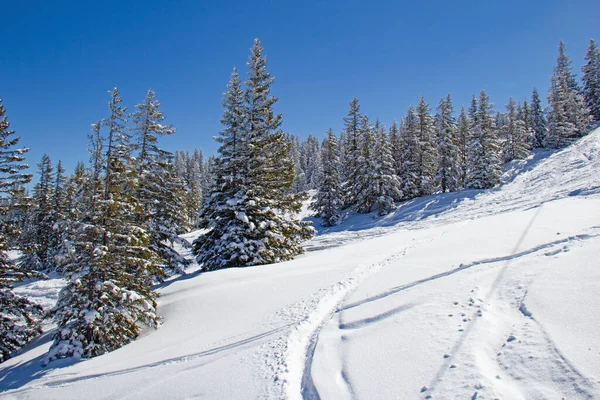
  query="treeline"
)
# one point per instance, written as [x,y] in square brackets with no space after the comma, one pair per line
[111,227]
[370,168]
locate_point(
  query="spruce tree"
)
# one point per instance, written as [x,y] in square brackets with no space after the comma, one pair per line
[387,184]
[463,138]
[516,144]
[250,216]
[447,176]
[364,186]
[109,295]
[591,80]
[485,162]
[160,191]
[427,157]
[19,316]
[396,146]
[568,117]
[409,172]
[539,123]
[329,198]
[39,239]
[352,151]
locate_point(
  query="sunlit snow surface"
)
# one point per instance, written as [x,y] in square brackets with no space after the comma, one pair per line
[476,294]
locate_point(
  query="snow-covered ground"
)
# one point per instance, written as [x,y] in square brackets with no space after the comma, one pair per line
[477,294]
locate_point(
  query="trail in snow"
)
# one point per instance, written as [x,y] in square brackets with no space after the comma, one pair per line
[294,371]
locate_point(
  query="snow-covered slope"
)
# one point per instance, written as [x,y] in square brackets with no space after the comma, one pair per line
[478,294]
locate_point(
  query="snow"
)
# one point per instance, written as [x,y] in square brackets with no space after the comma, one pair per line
[476,294]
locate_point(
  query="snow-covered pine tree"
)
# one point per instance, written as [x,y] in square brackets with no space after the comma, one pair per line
[251,212]
[539,123]
[329,198]
[19,317]
[569,116]
[447,176]
[591,80]
[109,295]
[352,152]
[272,207]
[39,239]
[385,179]
[485,163]
[63,217]
[396,147]
[189,171]
[299,184]
[515,137]
[409,144]
[364,186]
[160,191]
[311,160]
[427,155]
[463,138]
[525,115]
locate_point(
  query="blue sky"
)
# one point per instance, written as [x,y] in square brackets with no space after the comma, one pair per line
[60,58]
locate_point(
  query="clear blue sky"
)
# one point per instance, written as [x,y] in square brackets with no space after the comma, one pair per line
[59,59]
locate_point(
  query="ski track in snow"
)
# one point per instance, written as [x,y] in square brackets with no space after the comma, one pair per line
[294,353]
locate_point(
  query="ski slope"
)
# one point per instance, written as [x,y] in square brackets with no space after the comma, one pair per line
[477,294]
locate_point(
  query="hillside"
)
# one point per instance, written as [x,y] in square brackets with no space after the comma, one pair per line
[475,294]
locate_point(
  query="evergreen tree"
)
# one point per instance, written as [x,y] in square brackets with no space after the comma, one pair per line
[329,199]
[387,184]
[352,152]
[251,221]
[38,239]
[160,191]
[19,322]
[538,121]
[485,163]
[591,80]
[409,172]
[109,295]
[396,147]
[515,137]
[311,160]
[568,117]
[448,173]
[463,138]
[364,185]
[426,149]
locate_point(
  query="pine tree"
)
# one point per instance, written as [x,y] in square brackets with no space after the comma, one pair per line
[329,198]
[515,136]
[447,175]
[386,181]
[160,191]
[19,317]
[39,240]
[364,186]
[409,172]
[251,220]
[463,139]
[352,152]
[539,123]
[426,149]
[109,295]
[568,117]
[591,80]
[396,146]
[485,164]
